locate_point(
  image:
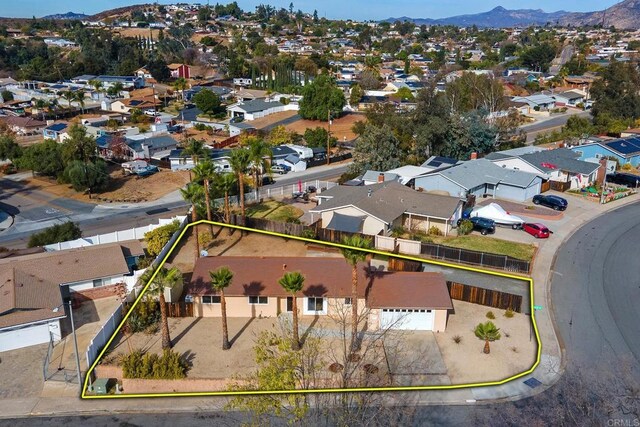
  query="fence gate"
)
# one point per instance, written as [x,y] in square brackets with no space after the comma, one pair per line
[490,298]
[179,309]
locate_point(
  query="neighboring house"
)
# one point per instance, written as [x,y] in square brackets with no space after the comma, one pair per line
[179,71]
[57,132]
[570,97]
[482,178]
[625,150]
[142,104]
[378,208]
[152,147]
[294,162]
[439,162]
[537,102]
[560,165]
[33,287]
[251,110]
[106,148]
[376,177]
[25,125]
[220,158]
[393,300]
[253,94]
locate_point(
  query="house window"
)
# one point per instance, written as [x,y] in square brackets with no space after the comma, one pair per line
[289,304]
[347,301]
[315,305]
[258,300]
[183,161]
[97,283]
[211,299]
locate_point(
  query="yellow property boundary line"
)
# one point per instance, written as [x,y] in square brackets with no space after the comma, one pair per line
[332,390]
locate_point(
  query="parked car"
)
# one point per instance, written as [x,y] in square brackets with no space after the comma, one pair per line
[267,180]
[555,202]
[149,170]
[236,119]
[624,179]
[537,230]
[483,225]
[496,213]
[311,189]
[279,169]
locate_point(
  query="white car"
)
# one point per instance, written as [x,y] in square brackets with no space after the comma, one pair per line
[495,212]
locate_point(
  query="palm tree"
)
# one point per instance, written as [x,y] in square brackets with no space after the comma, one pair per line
[259,152]
[97,85]
[165,279]
[293,282]
[53,105]
[196,149]
[180,85]
[192,193]
[115,89]
[239,162]
[487,332]
[40,105]
[68,96]
[79,98]
[206,171]
[220,280]
[225,183]
[354,255]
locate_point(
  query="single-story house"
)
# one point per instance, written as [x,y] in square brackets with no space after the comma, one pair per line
[560,165]
[25,125]
[570,97]
[480,178]
[294,162]
[625,150]
[57,131]
[537,102]
[33,287]
[143,104]
[220,158]
[391,300]
[439,162]
[378,208]
[180,71]
[152,147]
[251,110]
[376,177]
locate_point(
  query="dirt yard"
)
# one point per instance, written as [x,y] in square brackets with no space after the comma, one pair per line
[513,353]
[340,128]
[272,119]
[122,188]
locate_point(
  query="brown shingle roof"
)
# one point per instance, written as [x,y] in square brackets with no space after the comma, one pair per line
[328,277]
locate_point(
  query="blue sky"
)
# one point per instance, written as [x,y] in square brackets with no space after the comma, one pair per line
[355,9]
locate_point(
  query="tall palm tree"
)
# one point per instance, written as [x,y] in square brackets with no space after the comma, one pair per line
[79,98]
[40,105]
[97,85]
[166,278]
[260,156]
[193,193]
[206,171]
[180,85]
[239,162]
[220,280]
[225,183]
[53,106]
[68,96]
[196,149]
[354,255]
[293,282]
[487,332]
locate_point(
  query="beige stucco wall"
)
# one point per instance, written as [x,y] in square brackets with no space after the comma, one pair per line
[440,321]
[423,224]
[372,226]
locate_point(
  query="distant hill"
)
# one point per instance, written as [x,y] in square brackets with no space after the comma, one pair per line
[623,15]
[498,17]
[66,16]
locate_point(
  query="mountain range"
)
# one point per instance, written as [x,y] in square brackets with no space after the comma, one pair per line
[625,14]
[68,15]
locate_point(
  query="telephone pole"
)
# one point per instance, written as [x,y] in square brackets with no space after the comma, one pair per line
[329,138]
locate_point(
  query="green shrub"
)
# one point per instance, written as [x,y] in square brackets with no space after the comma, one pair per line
[434,231]
[54,234]
[158,238]
[308,234]
[169,366]
[398,231]
[626,167]
[465,227]
[146,313]
[509,313]
[490,315]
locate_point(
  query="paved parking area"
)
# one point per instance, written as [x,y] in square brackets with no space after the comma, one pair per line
[21,372]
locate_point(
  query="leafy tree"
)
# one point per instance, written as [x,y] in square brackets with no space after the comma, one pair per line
[79,145]
[92,176]
[260,156]
[538,58]
[44,158]
[321,97]
[293,282]
[9,148]
[404,93]
[207,101]
[158,69]
[240,161]
[157,238]
[376,149]
[471,133]
[220,280]
[353,254]
[487,332]
[54,234]
[6,95]
[356,95]
[161,279]
[370,79]
[195,149]
[317,137]
[279,135]
[472,92]
[616,95]
[179,85]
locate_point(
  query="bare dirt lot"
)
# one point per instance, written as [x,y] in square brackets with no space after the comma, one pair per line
[122,188]
[513,353]
[271,119]
[340,128]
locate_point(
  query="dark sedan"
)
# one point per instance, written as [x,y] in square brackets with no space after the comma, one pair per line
[555,202]
[483,225]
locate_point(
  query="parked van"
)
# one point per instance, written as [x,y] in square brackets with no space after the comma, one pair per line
[278,169]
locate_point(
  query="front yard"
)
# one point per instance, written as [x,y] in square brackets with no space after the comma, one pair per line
[274,211]
[524,251]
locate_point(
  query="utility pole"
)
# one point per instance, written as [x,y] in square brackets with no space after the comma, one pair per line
[329,138]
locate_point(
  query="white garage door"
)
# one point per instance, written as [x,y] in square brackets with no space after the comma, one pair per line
[18,338]
[404,318]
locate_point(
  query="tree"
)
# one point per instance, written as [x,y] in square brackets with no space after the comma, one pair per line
[220,280]
[317,137]
[538,58]
[376,149]
[91,176]
[355,95]
[196,149]
[225,182]
[193,193]
[158,68]
[6,95]
[616,95]
[354,254]
[260,156]
[158,237]
[179,86]
[54,234]
[79,145]
[293,282]
[370,79]
[279,135]
[68,96]
[207,101]
[487,332]
[240,161]
[44,158]
[471,133]
[206,171]
[164,279]
[473,92]
[321,97]
[9,148]
[404,93]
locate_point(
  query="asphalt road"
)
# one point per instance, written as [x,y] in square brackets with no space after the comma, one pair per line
[595,291]
[554,122]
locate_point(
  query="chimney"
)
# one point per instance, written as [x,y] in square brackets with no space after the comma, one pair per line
[380,177]
[474,155]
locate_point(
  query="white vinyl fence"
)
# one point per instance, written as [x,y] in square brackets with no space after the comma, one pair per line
[101,338]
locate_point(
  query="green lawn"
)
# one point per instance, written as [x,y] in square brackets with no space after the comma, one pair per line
[273,210]
[486,244]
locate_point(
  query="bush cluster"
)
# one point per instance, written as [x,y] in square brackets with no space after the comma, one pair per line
[139,365]
[145,314]
[465,227]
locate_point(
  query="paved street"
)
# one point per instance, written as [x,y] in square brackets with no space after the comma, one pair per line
[549,124]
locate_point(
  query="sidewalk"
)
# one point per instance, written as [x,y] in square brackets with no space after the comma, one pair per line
[61,399]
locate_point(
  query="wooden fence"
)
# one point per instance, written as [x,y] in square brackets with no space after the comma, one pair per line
[559,186]
[397,264]
[502,262]
[546,186]
[179,309]
[490,298]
